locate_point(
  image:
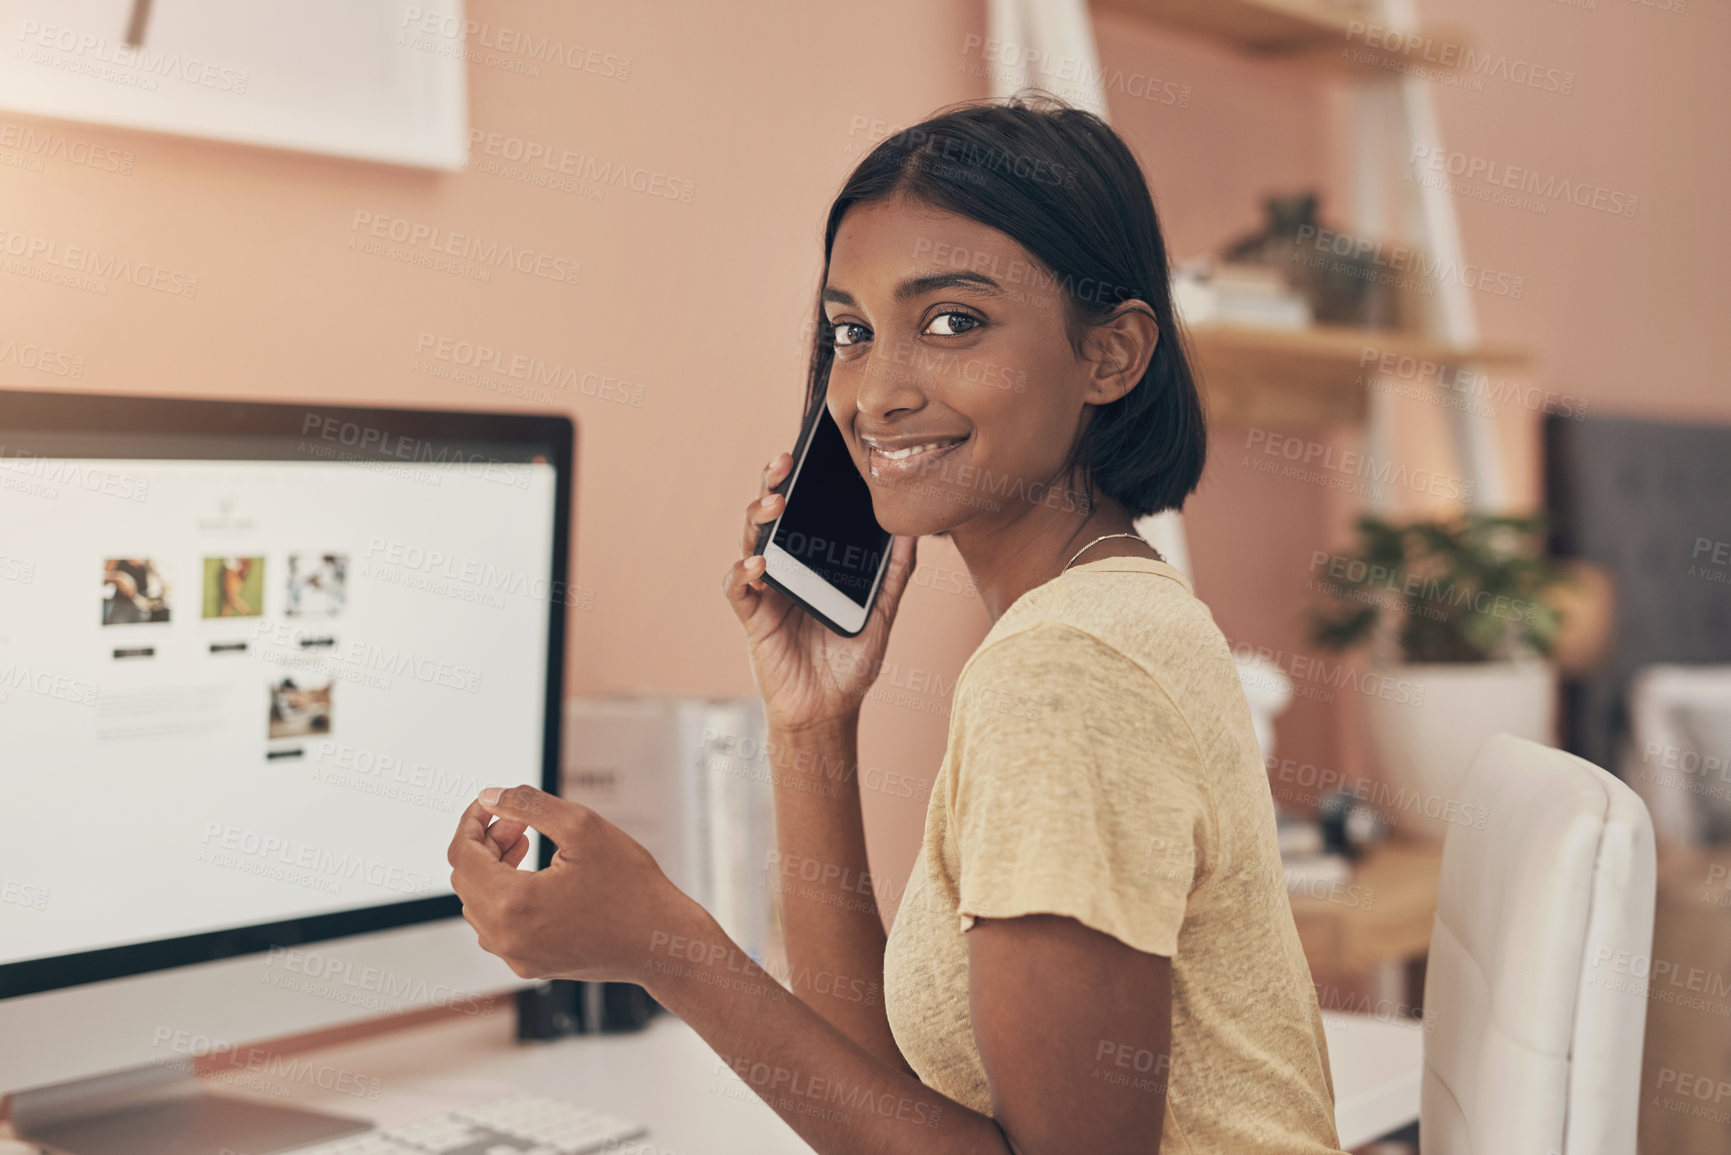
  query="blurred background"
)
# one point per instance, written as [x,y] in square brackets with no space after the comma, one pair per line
[1475,271]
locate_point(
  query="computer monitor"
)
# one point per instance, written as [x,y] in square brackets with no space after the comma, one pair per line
[254,661]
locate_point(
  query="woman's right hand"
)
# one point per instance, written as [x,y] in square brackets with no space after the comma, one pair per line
[809,675]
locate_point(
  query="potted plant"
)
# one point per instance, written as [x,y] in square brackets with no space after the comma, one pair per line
[1459,632]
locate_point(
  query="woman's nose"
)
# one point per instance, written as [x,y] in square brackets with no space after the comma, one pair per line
[891,384]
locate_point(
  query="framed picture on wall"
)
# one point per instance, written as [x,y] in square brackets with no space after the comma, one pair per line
[379,80]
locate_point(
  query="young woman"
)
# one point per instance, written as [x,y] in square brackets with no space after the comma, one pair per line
[1095,951]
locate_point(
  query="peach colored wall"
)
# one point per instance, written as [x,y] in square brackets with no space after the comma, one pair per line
[1624,312]
[703,305]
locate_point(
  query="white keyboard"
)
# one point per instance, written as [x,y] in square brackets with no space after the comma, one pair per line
[521,1125]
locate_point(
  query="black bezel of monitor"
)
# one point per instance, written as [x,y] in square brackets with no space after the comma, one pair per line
[96,416]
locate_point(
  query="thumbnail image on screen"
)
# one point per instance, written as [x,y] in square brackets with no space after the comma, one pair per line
[132,592]
[317,585]
[233,587]
[300,705]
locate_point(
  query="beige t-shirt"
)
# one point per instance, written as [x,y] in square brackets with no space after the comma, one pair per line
[1102,765]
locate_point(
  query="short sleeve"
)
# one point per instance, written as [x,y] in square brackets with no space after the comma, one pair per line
[1077,789]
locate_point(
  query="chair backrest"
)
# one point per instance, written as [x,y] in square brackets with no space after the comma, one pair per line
[1535,994]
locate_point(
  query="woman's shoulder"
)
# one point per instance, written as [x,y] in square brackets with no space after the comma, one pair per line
[1144,611]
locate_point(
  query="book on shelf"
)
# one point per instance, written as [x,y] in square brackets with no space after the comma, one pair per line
[1229,294]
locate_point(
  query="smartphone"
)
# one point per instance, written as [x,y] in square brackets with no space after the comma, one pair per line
[826,551]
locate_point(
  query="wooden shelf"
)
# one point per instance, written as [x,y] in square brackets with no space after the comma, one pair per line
[1311,378]
[1302,29]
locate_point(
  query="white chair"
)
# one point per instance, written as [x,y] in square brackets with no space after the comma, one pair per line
[1535,994]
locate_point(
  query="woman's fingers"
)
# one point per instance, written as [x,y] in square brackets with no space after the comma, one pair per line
[775,471]
[471,832]
[903,558]
[758,513]
[518,851]
[737,585]
[504,835]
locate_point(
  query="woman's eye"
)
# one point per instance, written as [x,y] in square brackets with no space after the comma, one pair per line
[847,333]
[951,324]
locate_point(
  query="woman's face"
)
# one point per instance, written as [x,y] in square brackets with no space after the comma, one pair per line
[954,381]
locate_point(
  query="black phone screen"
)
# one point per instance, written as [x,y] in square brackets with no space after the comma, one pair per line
[828,523]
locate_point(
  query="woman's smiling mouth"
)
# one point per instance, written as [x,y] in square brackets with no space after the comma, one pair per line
[892,459]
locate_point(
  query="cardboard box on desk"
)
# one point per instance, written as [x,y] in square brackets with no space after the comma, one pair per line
[687,778]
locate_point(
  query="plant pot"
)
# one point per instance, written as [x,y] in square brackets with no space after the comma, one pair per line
[1425,738]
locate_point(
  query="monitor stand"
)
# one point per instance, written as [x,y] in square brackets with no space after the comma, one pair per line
[163,1109]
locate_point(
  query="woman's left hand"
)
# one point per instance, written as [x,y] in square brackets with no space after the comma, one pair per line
[594,913]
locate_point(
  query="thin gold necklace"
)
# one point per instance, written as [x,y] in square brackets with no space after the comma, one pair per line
[1097,541]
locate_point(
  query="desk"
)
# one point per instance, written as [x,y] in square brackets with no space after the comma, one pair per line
[1387,919]
[1687,1007]
[664,1077]
[667,1078]
[1378,1069]
[1375,925]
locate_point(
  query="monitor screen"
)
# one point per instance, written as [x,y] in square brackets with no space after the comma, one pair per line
[254,661]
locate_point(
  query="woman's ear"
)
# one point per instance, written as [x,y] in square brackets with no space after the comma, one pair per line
[1119,349]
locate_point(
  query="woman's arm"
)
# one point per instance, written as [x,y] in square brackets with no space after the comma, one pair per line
[834,933]
[813,682]
[1072,1025]
[838,1095]
[1075,1030]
